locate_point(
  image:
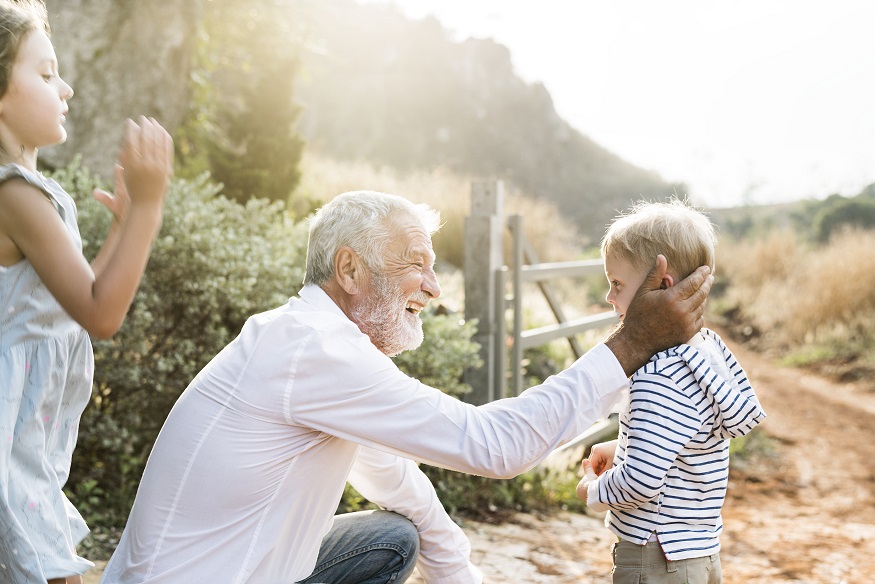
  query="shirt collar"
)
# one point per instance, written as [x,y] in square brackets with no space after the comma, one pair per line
[697,339]
[316,298]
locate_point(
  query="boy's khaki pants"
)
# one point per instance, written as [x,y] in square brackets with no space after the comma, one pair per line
[634,564]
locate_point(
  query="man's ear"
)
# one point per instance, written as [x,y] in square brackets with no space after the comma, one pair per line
[348,270]
[667,282]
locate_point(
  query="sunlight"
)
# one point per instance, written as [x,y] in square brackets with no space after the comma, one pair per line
[745,102]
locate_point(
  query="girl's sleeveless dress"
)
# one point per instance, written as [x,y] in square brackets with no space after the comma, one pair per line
[46,365]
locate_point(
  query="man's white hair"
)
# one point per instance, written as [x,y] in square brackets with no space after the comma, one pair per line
[359,220]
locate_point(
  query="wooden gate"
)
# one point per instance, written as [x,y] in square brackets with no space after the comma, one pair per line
[486,298]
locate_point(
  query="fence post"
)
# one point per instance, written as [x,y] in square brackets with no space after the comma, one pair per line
[515,222]
[484,257]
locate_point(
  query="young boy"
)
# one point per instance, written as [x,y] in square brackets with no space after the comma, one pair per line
[667,483]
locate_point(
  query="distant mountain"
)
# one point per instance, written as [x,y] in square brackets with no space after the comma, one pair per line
[379,87]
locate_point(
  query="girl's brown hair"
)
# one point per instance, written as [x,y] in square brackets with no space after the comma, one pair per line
[16,20]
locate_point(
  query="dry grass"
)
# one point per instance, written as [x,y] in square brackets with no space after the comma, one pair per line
[799,294]
[555,238]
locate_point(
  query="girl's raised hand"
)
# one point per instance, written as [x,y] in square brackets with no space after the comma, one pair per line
[147,159]
[118,202]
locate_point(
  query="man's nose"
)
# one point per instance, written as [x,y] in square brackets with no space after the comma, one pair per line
[430,284]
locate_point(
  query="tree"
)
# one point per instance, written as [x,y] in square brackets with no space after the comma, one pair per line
[240,124]
[259,151]
[840,213]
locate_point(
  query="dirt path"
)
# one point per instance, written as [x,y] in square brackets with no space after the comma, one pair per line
[804,514]
[810,515]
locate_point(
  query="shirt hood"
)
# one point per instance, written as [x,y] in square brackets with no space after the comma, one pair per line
[715,369]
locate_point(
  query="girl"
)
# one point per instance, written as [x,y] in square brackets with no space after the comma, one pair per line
[51,299]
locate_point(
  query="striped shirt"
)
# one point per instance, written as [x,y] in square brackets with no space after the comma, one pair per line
[671,467]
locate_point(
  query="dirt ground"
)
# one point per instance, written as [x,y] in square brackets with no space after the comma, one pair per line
[803,512]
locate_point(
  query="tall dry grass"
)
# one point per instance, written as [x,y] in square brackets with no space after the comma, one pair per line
[799,294]
[450,193]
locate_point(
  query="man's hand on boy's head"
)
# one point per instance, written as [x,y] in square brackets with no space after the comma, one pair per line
[658,319]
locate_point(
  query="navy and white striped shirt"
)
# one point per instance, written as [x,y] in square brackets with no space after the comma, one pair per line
[672,462]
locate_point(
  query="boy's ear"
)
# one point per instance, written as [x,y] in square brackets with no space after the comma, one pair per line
[348,272]
[667,282]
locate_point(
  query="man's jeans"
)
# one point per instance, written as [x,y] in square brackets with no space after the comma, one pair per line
[368,547]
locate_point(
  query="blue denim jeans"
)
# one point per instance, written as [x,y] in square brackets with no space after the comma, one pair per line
[367,547]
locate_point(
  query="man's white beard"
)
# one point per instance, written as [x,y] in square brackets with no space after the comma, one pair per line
[384,319]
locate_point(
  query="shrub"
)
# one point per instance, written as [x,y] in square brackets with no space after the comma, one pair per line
[839,213]
[539,489]
[446,351]
[215,262]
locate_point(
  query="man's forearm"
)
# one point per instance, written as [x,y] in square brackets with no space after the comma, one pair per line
[631,353]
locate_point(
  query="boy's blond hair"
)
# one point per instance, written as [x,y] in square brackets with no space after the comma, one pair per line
[683,234]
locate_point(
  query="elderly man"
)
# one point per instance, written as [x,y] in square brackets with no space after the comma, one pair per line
[246,475]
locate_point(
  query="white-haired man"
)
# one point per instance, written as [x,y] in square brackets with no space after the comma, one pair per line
[245,478]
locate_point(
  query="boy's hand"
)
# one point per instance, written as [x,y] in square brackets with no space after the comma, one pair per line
[147,159]
[588,477]
[601,457]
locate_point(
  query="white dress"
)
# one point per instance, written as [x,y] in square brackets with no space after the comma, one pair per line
[46,366]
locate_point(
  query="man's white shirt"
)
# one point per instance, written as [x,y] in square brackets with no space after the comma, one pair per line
[247,472]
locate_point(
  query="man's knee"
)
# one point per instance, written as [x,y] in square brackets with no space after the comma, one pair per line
[402,532]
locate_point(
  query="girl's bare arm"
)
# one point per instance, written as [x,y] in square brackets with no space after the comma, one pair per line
[99,302]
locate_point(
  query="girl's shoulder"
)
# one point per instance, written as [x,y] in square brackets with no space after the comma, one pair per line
[13,170]
[47,187]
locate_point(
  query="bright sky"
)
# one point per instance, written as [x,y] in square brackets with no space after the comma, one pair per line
[746,101]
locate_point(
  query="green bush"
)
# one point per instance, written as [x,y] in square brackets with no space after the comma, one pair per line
[446,351]
[214,263]
[838,213]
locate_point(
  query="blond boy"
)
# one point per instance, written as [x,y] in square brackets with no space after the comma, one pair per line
[665,484]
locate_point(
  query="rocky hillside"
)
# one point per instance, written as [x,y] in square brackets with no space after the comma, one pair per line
[379,87]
